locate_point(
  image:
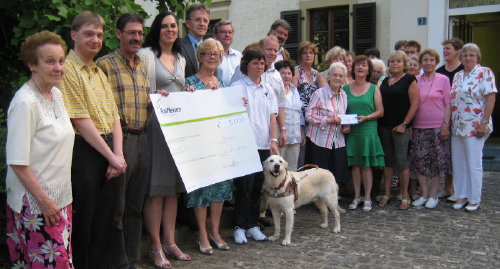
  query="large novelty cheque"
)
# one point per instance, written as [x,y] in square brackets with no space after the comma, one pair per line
[209,135]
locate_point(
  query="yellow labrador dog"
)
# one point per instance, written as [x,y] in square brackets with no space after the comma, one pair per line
[286,190]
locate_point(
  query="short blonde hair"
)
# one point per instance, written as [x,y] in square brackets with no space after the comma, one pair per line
[208,44]
[337,65]
[29,48]
[398,54]
[334,53]
[304,45]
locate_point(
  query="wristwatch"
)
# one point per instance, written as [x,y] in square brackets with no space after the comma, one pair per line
[274,140]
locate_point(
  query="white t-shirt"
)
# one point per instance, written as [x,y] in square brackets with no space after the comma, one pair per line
[40,135]
[261,105]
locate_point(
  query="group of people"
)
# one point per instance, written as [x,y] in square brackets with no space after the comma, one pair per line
[88,163]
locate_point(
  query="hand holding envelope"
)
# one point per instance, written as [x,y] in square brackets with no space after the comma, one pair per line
[348,119]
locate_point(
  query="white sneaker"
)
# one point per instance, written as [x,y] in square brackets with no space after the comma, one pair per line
[239,236]
[256,234]
[419,202]
[431,203]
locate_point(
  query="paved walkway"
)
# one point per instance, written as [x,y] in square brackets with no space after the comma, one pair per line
[383,238]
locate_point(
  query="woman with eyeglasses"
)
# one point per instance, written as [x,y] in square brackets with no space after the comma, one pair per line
[209,56]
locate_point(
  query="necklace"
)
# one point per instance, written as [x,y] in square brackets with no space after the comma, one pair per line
[52,103]
[430,88]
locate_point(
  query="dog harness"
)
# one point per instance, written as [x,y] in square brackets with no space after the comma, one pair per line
[291,188]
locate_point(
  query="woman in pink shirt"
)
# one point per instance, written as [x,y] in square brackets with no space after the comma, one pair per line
[430,152]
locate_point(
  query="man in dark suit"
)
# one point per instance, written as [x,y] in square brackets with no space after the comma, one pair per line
[197,20]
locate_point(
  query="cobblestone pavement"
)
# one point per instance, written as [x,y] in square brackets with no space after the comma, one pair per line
[384,238]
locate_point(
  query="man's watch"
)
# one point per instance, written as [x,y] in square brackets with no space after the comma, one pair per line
[274,140]
[283,128]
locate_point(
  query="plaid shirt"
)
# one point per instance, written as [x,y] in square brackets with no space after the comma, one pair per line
[87,94]
[130,87]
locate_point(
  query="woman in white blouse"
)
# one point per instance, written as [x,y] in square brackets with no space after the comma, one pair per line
[39,152]
[294,119]
[472,101]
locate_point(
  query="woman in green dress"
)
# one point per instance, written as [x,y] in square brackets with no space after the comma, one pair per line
[209,56]
[364,150]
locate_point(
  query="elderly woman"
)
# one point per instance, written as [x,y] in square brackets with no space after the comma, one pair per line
[378,72]
[364,150]
[294,119]
[209,56]
[430,151]
[400,100]
[324,130]
[262,109]
[165,67]
[334,55]
[414,65]
[39,149]
[472,101]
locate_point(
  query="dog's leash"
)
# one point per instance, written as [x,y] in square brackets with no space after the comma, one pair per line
[310,170]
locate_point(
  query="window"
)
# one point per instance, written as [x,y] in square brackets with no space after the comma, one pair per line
[329,28]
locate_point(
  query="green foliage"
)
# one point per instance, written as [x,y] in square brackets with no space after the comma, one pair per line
[322,66]
[178,6]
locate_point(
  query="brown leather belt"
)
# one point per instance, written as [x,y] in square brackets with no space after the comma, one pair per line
[131,130]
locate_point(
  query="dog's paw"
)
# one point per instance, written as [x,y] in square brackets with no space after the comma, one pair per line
[323,225]
[285,242]
[341,210]
[273,238]
[336,229]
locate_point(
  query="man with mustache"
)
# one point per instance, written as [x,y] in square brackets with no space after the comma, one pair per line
[98,160]
[197,20]
[129,83]
[280,29]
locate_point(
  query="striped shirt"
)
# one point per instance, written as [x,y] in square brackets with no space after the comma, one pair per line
[87,94]
[325,103]
[130,87]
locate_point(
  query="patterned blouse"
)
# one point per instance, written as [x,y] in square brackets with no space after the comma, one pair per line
[305,89]
[325,103]
[468,100]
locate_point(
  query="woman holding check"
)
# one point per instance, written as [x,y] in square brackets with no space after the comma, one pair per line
[325,131]
[364,150]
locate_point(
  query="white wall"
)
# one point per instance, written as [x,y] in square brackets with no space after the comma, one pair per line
[403,21]
[253,18]
[150,7]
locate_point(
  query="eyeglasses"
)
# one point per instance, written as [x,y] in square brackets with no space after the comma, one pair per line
[225,32]
[211,54]
[134,33]
[310,52]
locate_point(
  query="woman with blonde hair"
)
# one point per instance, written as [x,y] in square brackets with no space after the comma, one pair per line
[400,100]
[209,55]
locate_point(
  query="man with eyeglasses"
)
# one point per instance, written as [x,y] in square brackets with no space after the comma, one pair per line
[224,32]
[412,47]
[129,83]
[280,29]
[197,20]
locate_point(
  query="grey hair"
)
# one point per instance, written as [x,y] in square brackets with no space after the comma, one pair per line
[338,65]
[221,23]
[378,62]
[473,47]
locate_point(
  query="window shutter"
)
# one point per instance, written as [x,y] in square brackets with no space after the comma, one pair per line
[364,31]
[293,18]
